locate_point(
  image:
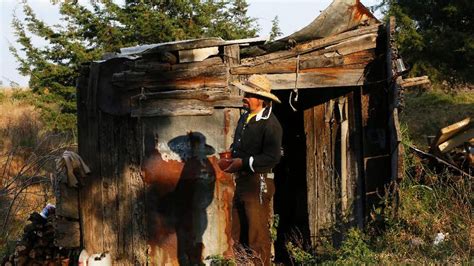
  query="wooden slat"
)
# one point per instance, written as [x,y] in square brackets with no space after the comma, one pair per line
[90,197]
[107,149]
[318,78]
[311,173]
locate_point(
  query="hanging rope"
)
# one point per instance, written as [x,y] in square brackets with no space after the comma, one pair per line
[295,90]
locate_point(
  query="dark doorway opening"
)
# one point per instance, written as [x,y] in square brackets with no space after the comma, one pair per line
[290,201]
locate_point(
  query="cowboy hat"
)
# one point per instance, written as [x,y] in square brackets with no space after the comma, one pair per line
[259,85]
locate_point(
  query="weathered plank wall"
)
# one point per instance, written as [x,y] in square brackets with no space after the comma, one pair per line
[333,157]
[111,198]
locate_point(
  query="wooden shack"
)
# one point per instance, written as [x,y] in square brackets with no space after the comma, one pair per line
[152,120]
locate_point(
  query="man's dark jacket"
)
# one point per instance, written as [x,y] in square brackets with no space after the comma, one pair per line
[258,142]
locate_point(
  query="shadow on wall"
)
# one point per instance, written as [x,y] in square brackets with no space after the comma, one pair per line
[178,194]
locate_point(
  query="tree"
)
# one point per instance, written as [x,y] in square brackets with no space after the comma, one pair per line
[436,37]
[275,31]
[88,33]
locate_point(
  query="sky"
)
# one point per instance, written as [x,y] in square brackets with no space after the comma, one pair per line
[292,14]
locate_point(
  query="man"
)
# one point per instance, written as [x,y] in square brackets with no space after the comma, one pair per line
[256,150]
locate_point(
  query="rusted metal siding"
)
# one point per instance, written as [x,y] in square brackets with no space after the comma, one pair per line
[189,199]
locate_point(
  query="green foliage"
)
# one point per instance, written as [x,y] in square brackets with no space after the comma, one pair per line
[355,250]
[299,255]
[435,37]
[274,227]
[275,31]
[219,260]
[88,33]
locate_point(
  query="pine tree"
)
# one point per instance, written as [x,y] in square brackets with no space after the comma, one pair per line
[275,31]
[88,33]
[435,37]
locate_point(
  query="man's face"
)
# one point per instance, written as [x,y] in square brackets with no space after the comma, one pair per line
[252,102]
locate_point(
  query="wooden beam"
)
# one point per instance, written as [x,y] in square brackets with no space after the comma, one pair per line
[318,78]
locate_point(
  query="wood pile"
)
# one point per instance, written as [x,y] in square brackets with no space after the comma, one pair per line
[455,144]
[36,246]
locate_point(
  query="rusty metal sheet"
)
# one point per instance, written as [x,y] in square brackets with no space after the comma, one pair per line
[189,199]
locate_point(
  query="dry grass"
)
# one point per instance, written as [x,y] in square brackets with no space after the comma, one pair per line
[27,154]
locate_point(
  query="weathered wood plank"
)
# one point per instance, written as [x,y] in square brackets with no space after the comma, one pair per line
[318,78]
[67,201]
[312,45]
[67,234]
[90,195]
[108,144]
[206,77]
[309,61]
[179,74]
[355,44]
[311,173]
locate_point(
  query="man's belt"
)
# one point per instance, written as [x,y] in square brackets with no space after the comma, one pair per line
[269,175]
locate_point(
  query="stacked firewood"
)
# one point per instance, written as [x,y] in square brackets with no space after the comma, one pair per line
[455,144]
[36,246]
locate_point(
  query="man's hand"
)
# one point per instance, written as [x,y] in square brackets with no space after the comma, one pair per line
[235,166]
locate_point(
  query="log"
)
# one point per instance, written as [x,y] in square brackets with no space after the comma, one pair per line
[172,107]
[202,95]
[318,78]
[214,76]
